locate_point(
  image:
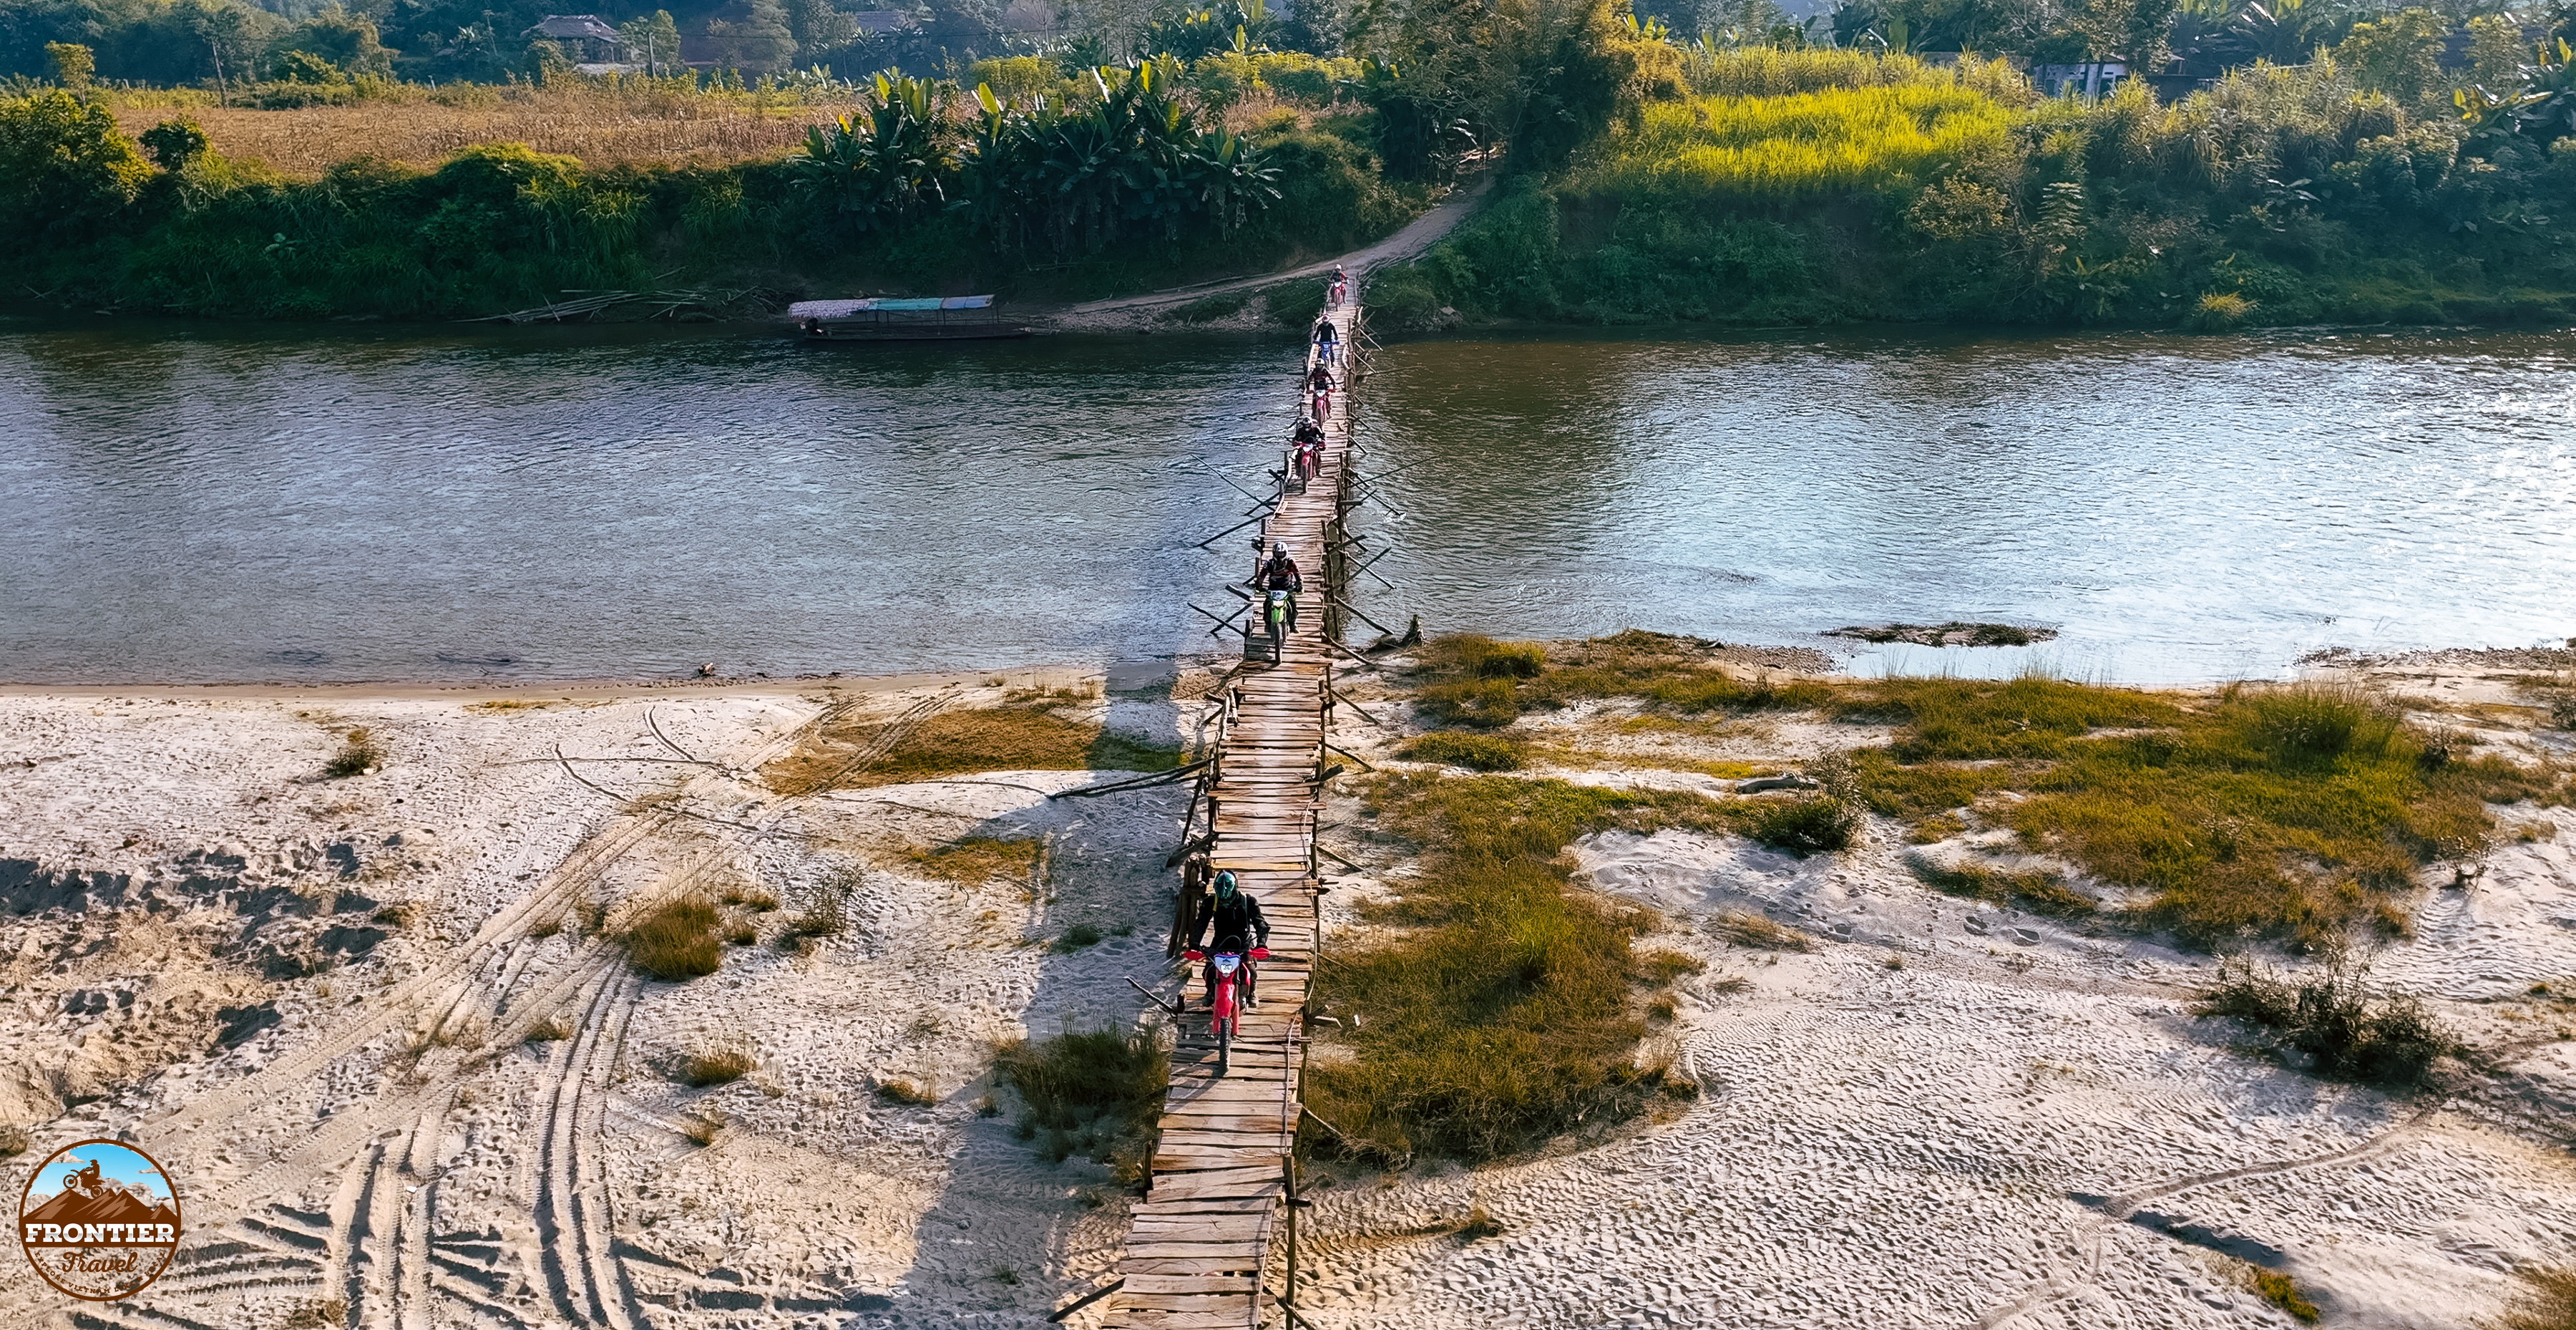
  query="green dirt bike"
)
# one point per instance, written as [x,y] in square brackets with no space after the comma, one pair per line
[1276,609]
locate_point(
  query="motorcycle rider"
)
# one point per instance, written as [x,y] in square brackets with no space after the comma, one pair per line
[1280,574]
[1327,338]
[1235,916]
[1309,444]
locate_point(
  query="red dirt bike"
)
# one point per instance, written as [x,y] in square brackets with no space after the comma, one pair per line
[1226,970]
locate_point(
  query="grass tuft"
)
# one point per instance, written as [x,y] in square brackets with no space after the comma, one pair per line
[2276,1289]
[550,1030]
[896,1090]
[717,1066]
[1816,824]
[1097,1093]
[828,915]
[2333,1019]
[1759,932]
[358,756]
[676,942]
[317,1314]
[1476,752]
[1078,937]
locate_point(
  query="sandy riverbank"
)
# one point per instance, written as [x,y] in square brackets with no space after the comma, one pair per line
[312,999]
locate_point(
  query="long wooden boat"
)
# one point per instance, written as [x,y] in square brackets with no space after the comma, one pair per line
[887,319]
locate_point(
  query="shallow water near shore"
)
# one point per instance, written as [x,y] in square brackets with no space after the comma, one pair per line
[191,503]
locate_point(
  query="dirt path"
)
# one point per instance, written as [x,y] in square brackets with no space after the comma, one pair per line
[1418,235]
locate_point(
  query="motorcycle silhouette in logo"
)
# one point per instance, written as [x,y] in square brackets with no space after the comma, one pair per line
[99,1220]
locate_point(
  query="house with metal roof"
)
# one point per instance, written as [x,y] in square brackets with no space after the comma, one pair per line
[586,38]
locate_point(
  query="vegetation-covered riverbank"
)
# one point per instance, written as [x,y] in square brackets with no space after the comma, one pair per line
[1824,186]
[2404,169]
[1112,180]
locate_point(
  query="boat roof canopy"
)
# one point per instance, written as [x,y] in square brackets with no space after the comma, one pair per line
[842,309]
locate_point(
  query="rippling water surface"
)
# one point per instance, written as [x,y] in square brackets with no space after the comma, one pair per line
[211,504]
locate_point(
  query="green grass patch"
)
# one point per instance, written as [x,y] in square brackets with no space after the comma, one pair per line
[1208,309]
[2041,893]
[2282,812]
[1097,1093]
[1834,140]
[1509,1010]
[1953,720]
[1029,735]
[676,942]
[1471,680]
[1477,752]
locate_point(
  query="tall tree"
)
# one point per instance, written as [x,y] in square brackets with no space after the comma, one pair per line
[652,41]
[761,42]
[819,29]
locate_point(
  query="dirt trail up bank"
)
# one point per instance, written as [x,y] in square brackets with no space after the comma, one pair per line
[1130,312]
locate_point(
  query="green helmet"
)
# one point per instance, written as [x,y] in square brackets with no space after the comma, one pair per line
[1225,883]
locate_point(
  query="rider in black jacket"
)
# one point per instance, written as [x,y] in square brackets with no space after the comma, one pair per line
[1236,917]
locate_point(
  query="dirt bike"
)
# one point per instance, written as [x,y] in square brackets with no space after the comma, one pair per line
[1224,1011]
[1277,608]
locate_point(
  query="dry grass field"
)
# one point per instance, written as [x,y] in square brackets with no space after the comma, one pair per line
[601,129]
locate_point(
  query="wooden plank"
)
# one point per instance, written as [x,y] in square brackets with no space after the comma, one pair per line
[1263,1139]
[1254,1228]
[1141,1284]
[1249,1258]
[1171,1207]
[1219,1182]
[1201,1312]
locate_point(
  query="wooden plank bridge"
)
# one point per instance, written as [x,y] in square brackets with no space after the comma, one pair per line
[1203,1233]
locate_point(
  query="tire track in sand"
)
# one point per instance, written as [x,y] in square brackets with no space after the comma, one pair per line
[2066,1281]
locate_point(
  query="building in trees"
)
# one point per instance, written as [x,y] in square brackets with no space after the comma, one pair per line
[586,39]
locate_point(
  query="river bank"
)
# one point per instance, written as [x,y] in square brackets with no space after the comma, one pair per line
[233,946]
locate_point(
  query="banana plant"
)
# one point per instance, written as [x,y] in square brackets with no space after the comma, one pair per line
[1128,158]
[1231,178]
[2487,115]
[881,167]
[2547,110]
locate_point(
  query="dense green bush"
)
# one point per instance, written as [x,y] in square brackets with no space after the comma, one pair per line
[2333,1019]
[63,166]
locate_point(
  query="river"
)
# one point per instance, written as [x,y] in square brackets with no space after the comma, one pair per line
[195,503]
